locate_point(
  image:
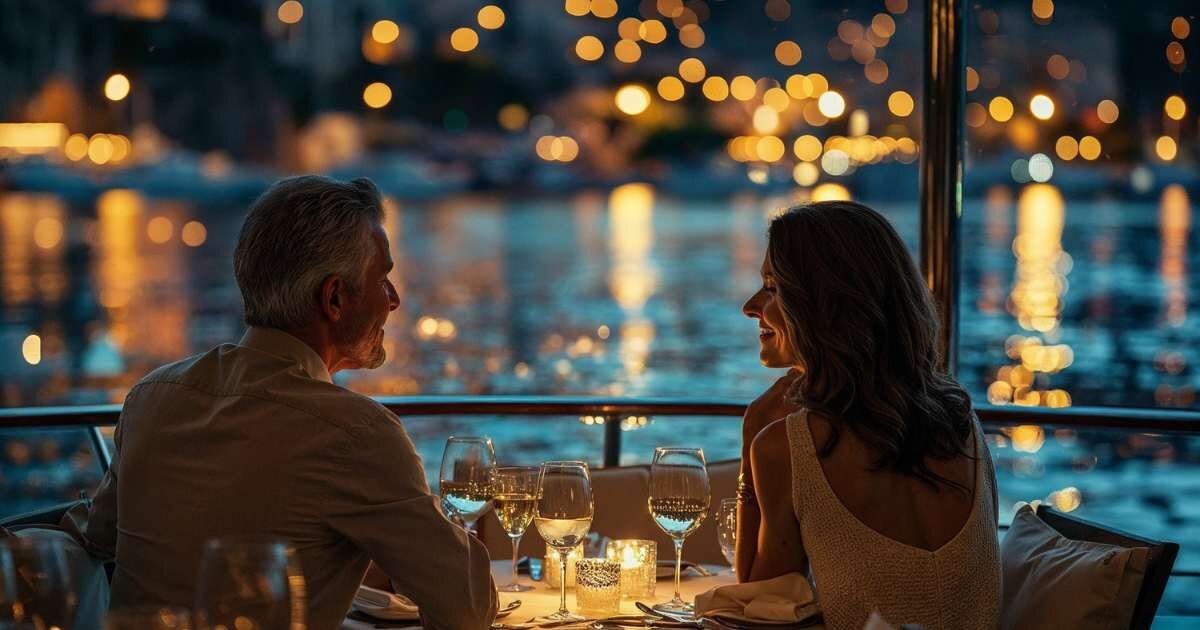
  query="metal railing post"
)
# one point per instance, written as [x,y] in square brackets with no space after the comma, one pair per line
[612,441]
[941,166]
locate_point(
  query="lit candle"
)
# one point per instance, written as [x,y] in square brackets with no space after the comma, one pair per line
[639,565]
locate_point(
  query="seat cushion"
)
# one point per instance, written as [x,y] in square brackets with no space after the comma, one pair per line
[1053,582]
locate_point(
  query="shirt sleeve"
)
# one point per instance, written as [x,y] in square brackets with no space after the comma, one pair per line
[382,503]
[94,523]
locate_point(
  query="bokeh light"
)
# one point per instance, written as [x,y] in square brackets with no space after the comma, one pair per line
[377,95]
[589,48]
[900,103]
[632,99]
[1041,106]
[464,39]
[490,17]
[692,70]
[831,104]
[670,88]
[788,53]
[1001,109]
[117,87]
[290,12]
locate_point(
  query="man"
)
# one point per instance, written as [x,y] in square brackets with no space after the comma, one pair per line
[255,438]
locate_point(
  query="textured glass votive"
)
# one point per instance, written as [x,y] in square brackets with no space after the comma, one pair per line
[597,586]
[639,565]
[554,566]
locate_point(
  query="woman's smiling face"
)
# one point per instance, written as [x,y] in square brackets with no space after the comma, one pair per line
[774,351]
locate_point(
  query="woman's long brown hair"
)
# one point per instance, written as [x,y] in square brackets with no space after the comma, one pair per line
[864,325]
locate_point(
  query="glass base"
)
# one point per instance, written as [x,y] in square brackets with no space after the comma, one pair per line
[674,607]
[514,588]
[562,616]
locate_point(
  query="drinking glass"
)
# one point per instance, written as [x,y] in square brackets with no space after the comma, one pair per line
[514,493]
[467,463]
[727,529]
[250,579]
[679,495]
[39,580]
[563,517]
[148,618]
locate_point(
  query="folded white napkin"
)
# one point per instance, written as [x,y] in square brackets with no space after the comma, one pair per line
[785,598]
[384,605]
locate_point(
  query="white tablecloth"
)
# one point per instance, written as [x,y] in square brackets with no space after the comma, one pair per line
[543,600]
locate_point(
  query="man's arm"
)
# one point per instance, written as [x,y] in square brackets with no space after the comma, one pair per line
[382,503]
[94,523]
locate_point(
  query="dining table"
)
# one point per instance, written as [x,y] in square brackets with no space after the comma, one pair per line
[543,600]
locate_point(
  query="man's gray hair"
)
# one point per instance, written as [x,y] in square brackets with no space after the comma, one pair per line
[301,231]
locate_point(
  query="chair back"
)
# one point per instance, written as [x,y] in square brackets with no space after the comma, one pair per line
[1159,559]
[620,496]
[45,516]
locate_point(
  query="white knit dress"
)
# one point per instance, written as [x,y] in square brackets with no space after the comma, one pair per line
[855,569]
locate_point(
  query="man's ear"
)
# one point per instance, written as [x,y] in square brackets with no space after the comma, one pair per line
[332,297]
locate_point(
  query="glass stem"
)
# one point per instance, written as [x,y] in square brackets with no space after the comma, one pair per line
[678,567]
[562,582]
[516,541]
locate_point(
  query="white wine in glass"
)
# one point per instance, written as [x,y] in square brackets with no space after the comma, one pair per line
[679,496]
[563,517]
[465,478]
[727,530]
[514,494]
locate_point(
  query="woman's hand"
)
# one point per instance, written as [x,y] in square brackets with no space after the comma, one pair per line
[772,405]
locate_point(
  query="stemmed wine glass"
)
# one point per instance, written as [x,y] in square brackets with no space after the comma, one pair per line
[563,517]
[467,463]
[679,496]
[35,584]
[727,529]
[250,578]
[514,492]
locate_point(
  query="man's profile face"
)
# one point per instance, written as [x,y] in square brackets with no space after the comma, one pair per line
[359,335]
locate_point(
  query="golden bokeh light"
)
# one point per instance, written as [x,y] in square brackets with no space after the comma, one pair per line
[670,88]
[464,39]
[830,191]
[652,31]
[578,8]
[76,146]
[160,230]
[100,149]
[377,95]
[876,71]
[47,233]
[715,89]
[604,9]
[632,99]
[1058,67]
[630,28]
[490,17]
[1041,106]
[1107,111]
[1043,10]
[806,173]
[1089,148]
[807,148]
[1066,148]
[117,87]
[1001,109]
[819,83]
[900,103]
[1165,148]
[1175,54]
[589,48]
[290,12]
[692,70]
[743,88]
[976,115]
[193,234]
[770,148]
[513,116]
[896,7]
[788,53]
[385,31]
[627,51]
[799,87]
[669,8]
[972,79]
[766,119]
[1175,108]
[31,349]
[831,104]
[883,25]
[1180,27]
[777,99]
[691,36]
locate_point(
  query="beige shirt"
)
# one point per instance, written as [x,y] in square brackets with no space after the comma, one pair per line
[254,438]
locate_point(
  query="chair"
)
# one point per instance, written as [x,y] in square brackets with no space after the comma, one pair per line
[620,498]
[1159,559]
[45,516]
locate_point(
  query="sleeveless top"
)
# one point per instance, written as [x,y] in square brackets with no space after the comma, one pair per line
[856,569]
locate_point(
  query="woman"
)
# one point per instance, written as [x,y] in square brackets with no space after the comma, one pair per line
[867,467]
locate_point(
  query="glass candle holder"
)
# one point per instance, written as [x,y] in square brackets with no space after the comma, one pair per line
[638,560]
[552,566]
[597,586]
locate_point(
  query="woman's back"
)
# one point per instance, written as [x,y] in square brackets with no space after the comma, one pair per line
[878,540]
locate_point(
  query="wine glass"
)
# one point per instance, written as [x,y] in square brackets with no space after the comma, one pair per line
[250,578]
[41,582]
[563,517]
[727,529]
[148,618]
[679,496]
[514,493]
[464,480]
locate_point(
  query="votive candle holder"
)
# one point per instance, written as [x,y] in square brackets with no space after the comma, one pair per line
[639,565]
[597,586]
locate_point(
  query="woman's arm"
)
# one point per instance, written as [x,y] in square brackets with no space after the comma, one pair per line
[778,549]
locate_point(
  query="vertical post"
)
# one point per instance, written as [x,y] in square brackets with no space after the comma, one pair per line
[612,441]
[941,166]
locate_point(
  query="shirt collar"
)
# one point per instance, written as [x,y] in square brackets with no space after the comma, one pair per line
[276,342]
